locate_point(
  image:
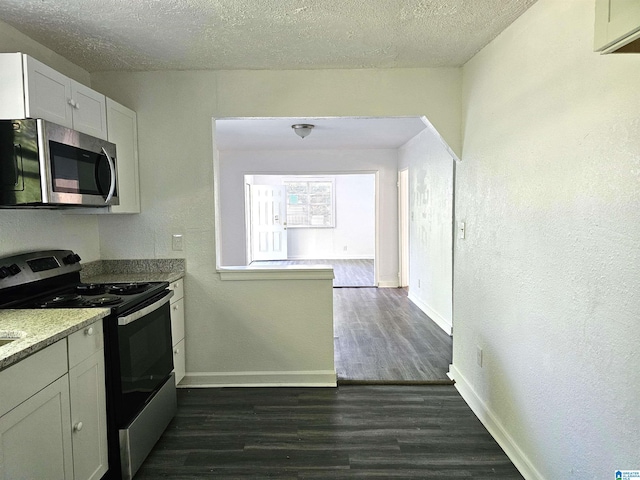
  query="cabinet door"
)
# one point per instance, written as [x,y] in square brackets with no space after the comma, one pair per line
[88,418]
[177,321]
[123,131]
[89,111]
[178,361]
[48,93]
[35,437]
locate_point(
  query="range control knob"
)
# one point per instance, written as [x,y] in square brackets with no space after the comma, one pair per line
[4,272]
[14,269]
[71,259]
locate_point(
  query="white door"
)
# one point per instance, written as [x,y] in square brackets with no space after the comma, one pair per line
[268,222]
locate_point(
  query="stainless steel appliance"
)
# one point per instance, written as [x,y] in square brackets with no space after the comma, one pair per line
[141,395]
[47,165]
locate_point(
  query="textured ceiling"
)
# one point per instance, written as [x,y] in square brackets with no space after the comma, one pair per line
[262,34]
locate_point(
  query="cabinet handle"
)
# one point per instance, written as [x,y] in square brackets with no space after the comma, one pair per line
[176,351]
[88,331]
[175,285]
[77,427]
[175,308]
[72,102]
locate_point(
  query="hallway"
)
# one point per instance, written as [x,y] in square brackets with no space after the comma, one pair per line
[380,336]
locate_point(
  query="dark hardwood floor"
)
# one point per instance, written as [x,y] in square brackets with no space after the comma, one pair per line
[380,335]
[347,273]
[398,432]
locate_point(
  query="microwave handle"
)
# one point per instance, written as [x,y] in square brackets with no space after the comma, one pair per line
[112,168]
[126,320]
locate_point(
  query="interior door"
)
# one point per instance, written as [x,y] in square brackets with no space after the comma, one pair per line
[268,222]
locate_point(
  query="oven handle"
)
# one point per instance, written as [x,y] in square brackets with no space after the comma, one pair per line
[126,320]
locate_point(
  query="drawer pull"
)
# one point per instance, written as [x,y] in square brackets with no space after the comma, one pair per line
[175,308]
[88,331]
[77,427]
[176,351]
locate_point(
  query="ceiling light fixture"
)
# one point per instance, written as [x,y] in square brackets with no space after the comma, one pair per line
[302,129]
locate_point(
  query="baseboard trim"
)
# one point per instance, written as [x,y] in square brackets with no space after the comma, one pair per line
[313,378]
[494,426]
[442,322]
[395,382]
[388,284]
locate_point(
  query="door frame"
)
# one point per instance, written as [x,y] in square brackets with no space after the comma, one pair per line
[248,179]
[404,234]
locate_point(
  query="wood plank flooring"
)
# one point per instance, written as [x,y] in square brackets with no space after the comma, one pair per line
[380,335]
[348,273]
[385,432]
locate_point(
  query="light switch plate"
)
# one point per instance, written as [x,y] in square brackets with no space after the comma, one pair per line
[177,243]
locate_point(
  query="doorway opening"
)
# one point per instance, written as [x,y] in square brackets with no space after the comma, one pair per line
[314,219]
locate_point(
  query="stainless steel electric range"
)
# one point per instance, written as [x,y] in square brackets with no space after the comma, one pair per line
[141,396]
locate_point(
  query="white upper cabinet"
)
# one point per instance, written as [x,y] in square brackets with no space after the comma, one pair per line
[31,89]
[617,26]
[123,131]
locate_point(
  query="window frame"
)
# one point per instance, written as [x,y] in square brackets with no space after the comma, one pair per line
[312,179]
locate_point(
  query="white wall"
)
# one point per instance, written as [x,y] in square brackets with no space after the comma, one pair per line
[25,230]
[430,225]
[547,282]
[175,111]
[354,228]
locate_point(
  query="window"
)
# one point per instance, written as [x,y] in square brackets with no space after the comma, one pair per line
[310,202]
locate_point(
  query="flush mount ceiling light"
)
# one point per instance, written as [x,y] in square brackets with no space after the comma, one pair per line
[302,129]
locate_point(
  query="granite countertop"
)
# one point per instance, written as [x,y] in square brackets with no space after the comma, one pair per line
[43,328]
[145,270]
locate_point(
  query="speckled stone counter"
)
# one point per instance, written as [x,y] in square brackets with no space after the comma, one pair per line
[149,270]
[42,328]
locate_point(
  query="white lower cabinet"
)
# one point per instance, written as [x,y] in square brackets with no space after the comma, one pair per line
[53,423]
[177,329]
[35,436]
[88,418]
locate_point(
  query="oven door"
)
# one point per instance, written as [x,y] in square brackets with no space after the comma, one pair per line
[145,354]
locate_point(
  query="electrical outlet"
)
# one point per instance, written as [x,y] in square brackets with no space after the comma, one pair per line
[177,243]
[419,283]
[479,356]
[344,248]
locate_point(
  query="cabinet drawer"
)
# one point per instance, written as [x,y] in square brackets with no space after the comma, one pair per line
[178,290]
[29,376]
[178,361]
[85,342]
[177,321]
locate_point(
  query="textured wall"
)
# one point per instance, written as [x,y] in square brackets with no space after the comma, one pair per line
[430,225]
[547,280]
[175,111]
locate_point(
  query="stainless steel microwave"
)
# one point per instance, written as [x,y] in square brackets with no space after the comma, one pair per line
[47,165]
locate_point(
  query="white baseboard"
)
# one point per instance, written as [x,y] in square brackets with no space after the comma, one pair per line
[388,284]
[493,425]
[314,378]
[442,322]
